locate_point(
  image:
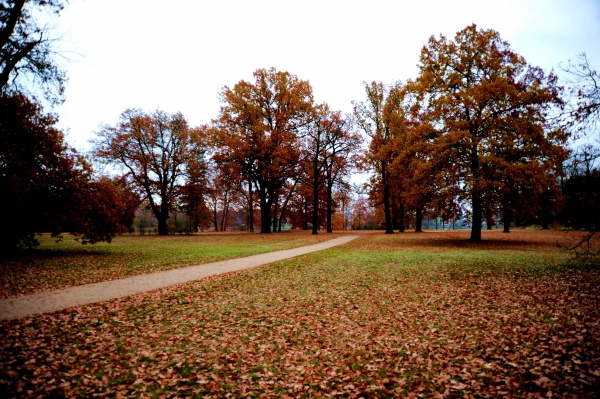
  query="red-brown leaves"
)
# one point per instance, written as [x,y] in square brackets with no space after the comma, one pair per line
[394,316]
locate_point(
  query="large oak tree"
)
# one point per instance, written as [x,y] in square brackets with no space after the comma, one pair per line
[154,150]
[489,108]
[260,125]
[370,117]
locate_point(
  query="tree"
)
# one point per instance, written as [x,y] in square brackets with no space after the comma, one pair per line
[260,125]
[316,159]
[342,144]
[153,150]
[47,186]
[584,88]
[194,191]
[370,117]
[489,109]
[103,209]
[27,49]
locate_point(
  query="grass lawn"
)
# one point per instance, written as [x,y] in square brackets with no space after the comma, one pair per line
[55,265]
[404,315]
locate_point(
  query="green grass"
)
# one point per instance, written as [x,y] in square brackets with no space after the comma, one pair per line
[384,316]
[55,265]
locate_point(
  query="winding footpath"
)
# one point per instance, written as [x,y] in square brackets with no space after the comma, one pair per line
[52,301]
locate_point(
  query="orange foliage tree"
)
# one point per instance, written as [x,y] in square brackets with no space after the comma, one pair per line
[371,119]
[154,151]
[259,129]
[489,109]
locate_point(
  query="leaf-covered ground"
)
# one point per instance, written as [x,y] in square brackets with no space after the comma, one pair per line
[66,263]
[411,315]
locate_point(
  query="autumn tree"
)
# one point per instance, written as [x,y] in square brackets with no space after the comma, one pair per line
[489,109]
[47,186]
[370,118]
[27,55]
[260,125]
[343,143]
[153,150]
[192,193]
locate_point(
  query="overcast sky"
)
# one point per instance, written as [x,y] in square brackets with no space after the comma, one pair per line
[177,55]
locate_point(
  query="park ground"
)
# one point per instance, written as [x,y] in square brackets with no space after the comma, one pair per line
[403,315]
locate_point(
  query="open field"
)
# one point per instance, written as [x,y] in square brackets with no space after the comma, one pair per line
[384,316]
[55,265]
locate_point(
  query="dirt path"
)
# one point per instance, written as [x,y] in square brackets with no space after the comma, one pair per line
[51,301]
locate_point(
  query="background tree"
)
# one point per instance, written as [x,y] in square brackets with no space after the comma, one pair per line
[342,146]
[153,150]
[371,119]
[27,55]
[105,208]
[316,144]
[481,96]
[194,191]
[260,125]
[584,88]
[582,190]
[47,186]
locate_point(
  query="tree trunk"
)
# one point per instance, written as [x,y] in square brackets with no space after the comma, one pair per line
[162,226]
[506,218]
[401,216]
[285,204]
[419,220]
[476,227]
[265,215]
[305,215]
[389,225]
[250,207]
[329,201]
[476,203]
[275,210]
[489,218]
[215,216]
[315,213]
[225,216]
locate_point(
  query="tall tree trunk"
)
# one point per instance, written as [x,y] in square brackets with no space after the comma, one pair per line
[225,216]
[250,207]
[419,220]
[401,216]
[161,216]
[329,201]
[274,213]
[265,213]
[215,216]
[389,225]
[506,217]
[476,226]
[315,213]
[476,204]
[305,215]
[285,204]
[162,226]
[489,218]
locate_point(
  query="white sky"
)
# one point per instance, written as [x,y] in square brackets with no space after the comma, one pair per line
[177,55]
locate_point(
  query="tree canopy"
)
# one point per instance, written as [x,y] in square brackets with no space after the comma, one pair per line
[27,55]
[488,108]
[48,187]
[155,151]
[260,125]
